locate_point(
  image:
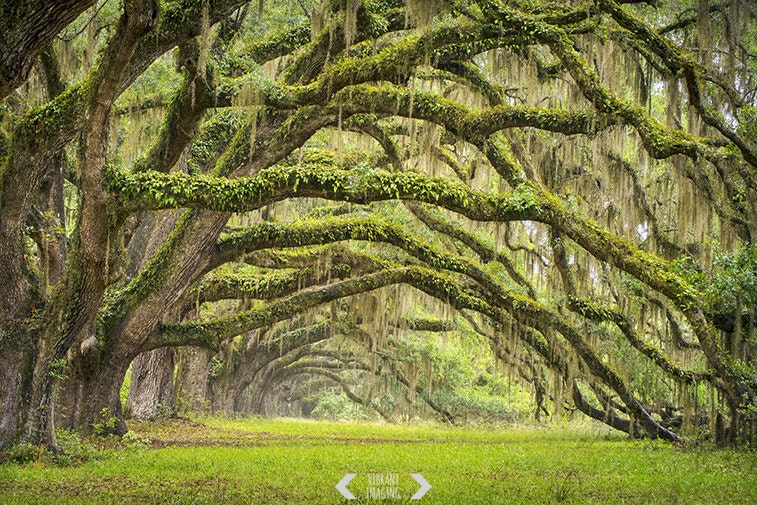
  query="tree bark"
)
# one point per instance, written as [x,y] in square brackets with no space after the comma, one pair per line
[101,390]
[75,308]
[15,374]
[27,28]
[151,391]
[193,366]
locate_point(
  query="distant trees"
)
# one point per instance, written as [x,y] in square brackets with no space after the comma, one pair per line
[575,182]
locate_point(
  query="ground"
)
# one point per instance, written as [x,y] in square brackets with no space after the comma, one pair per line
[255,461]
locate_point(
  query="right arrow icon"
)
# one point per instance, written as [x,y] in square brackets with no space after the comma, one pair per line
[425,486]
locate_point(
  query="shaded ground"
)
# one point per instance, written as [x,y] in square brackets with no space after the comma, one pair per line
[189,433]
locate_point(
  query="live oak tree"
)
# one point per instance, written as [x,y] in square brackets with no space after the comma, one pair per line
[575,180]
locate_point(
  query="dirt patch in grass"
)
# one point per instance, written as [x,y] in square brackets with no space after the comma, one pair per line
[182,432]
[77,487]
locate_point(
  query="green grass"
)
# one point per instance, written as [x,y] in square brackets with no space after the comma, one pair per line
[282,461]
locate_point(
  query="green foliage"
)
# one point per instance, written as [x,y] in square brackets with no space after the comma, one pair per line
[734,282]
[107,425]
[337,407]
[74,449]
[22,453]
[59,369]
[125,386]
[216,133]
[731,285]
[747,117]
[135,440]
[215,367]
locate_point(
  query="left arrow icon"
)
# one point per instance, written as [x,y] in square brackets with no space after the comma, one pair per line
[342,486]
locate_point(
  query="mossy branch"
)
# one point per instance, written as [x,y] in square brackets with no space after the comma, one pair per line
[678,63]
[260,51]
[267,286]
[308,257]
[246,287]
[485,252]
[153,191]
[658,140]
[213,332]
[474,125]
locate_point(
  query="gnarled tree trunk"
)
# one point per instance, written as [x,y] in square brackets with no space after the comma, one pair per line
[151,390]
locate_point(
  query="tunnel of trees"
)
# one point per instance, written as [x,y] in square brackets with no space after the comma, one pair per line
[412,207]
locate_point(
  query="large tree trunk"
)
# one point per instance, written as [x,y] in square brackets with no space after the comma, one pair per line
[151,392]
[15,374]
[221,395]
[239,368]
[75,307]
[94,384]
[193,366]
[101,390]
[261,388]
[243,402]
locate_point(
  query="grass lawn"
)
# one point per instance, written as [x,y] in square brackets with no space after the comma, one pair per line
[262,461]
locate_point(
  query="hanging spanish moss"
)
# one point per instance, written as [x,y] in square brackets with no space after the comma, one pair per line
[350,21]
[420,13]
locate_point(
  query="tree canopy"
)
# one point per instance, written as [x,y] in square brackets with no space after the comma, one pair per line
[313,190]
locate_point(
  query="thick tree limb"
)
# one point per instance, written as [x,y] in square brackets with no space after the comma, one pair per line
[26,29]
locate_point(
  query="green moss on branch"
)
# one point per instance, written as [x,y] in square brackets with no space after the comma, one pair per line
[152,191]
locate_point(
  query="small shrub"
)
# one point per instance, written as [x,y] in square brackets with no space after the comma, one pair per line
[565,485]
[337,407]
[22,453]
[164,411]
[74,450]
[132,439]
[107,426]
